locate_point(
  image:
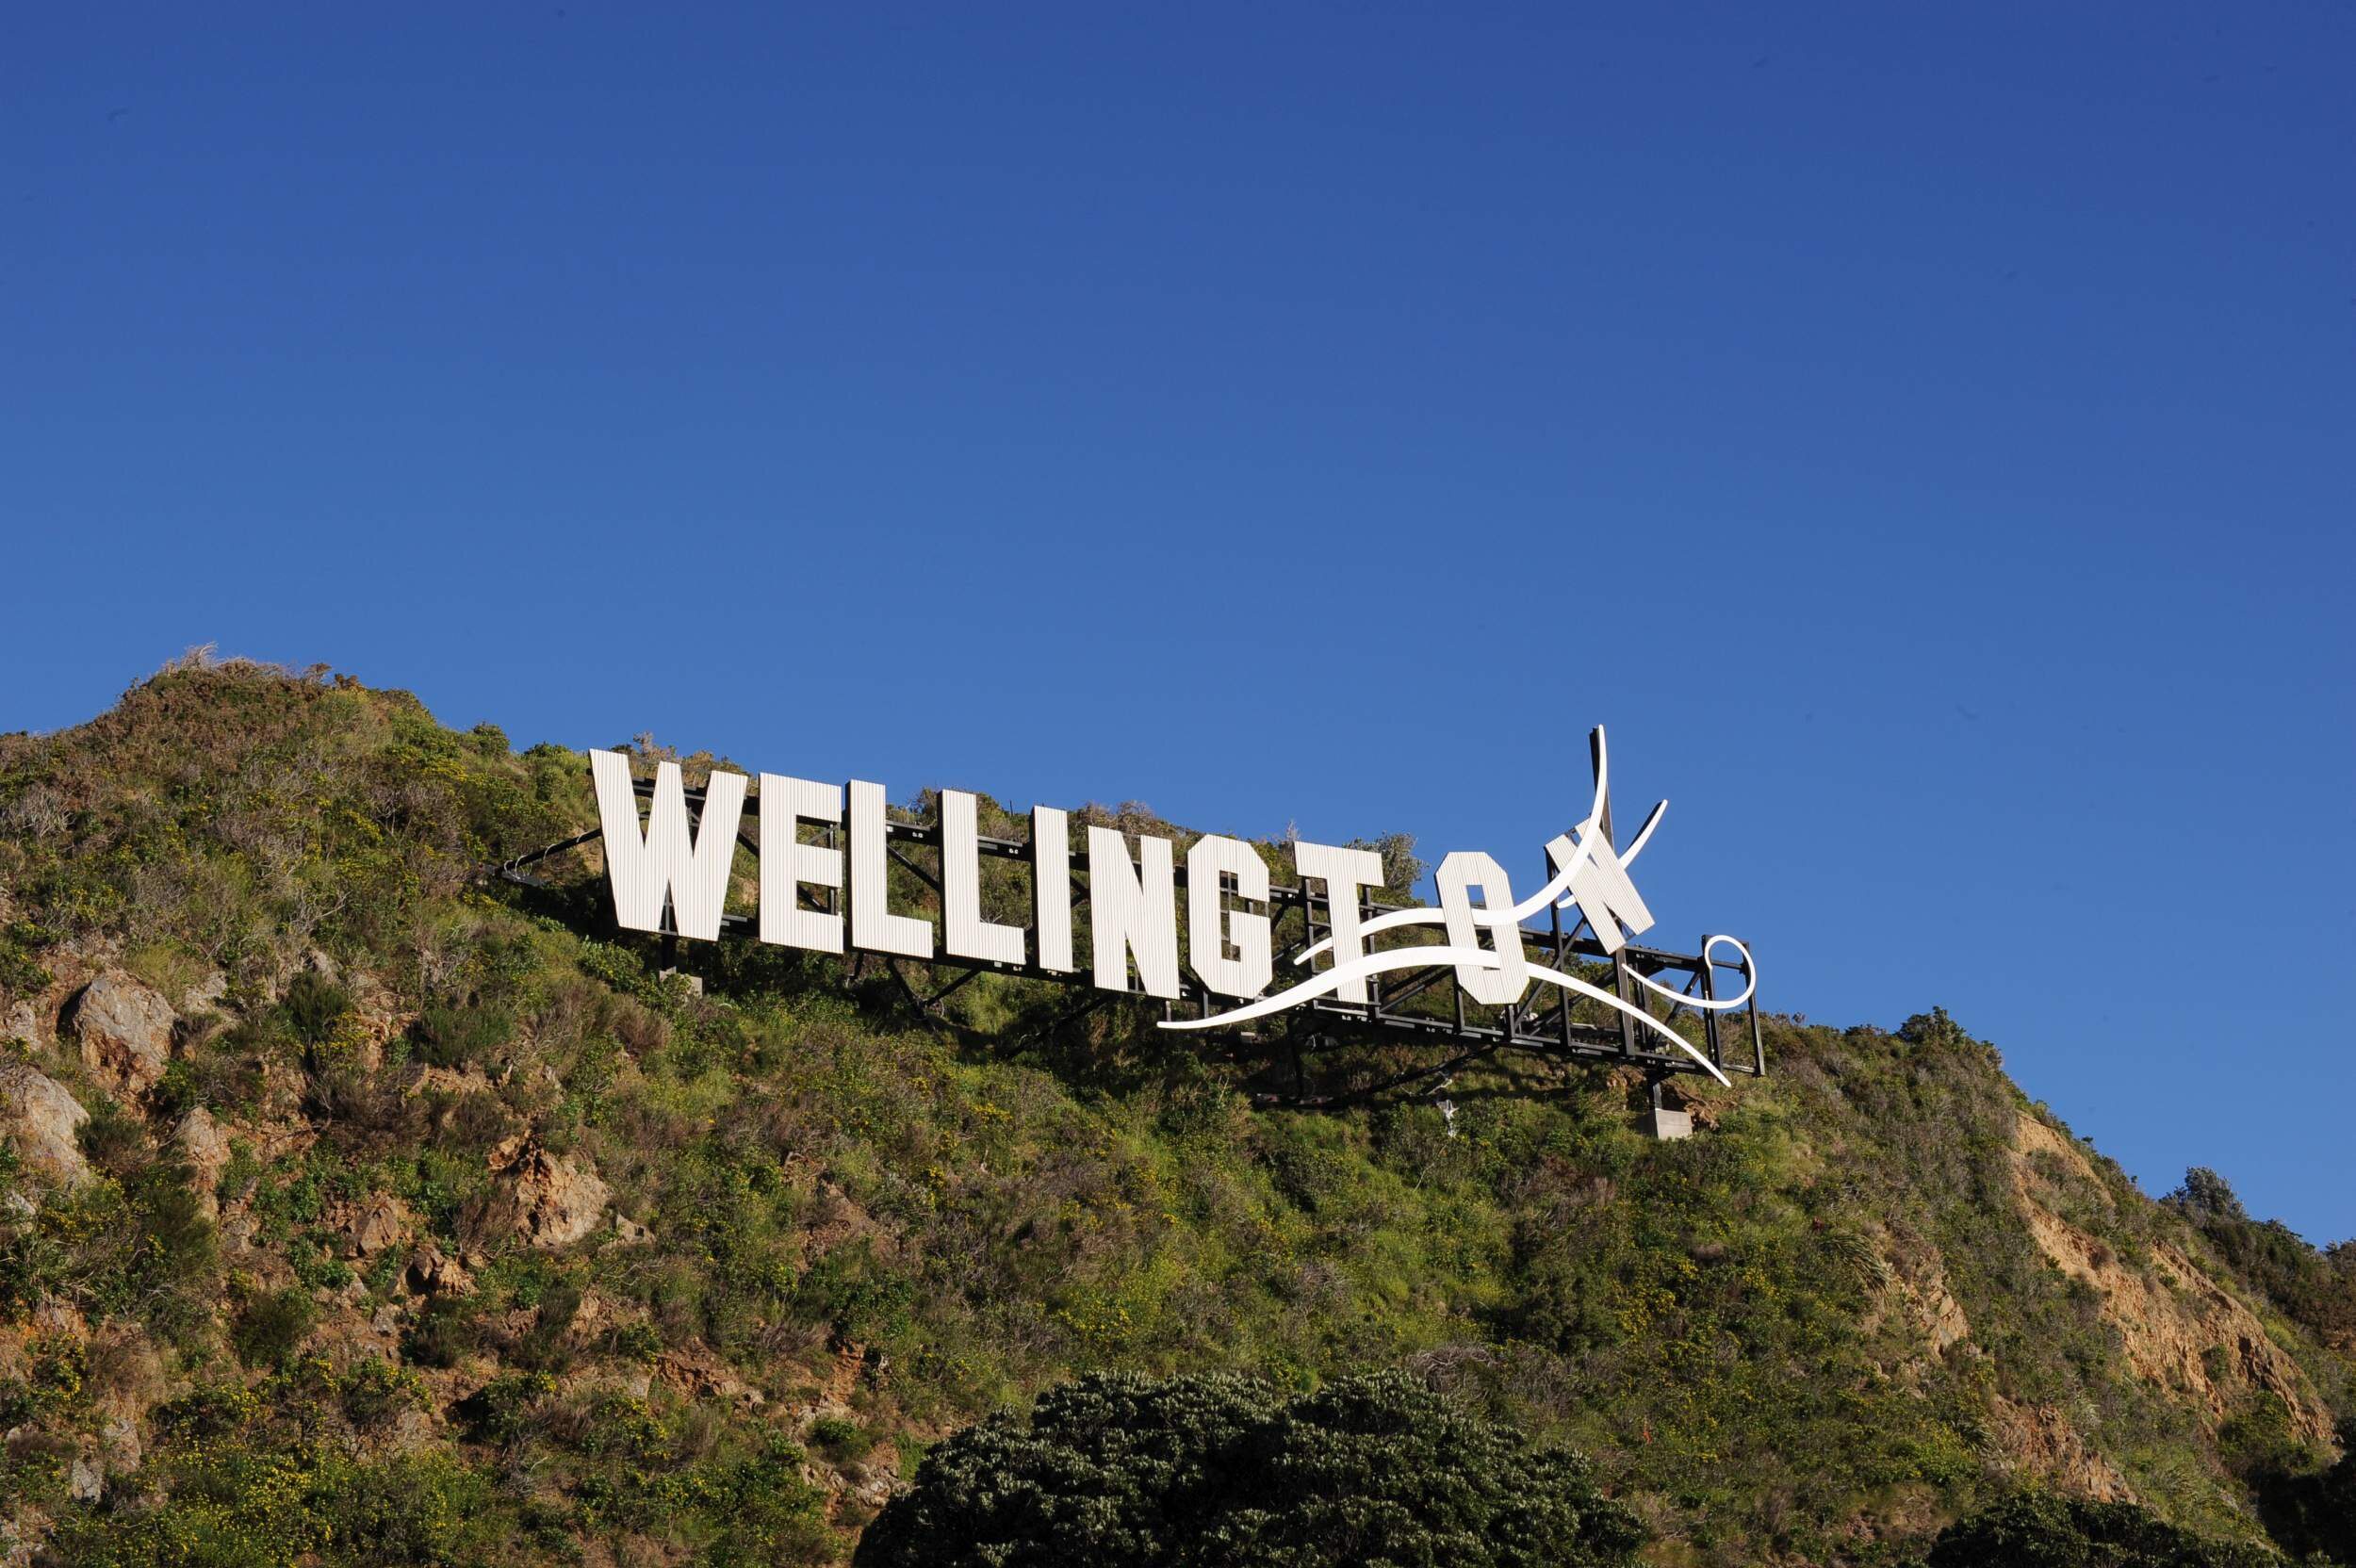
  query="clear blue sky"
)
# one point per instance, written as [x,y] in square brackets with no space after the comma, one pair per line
[1925,439]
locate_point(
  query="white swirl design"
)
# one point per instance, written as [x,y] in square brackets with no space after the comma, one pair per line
[1505,925]
[1324,982]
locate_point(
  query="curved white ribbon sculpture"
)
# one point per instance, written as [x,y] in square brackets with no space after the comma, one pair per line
[1505,925]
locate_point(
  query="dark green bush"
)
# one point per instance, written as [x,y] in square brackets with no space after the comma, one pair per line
[20,968]
[2311,1513]
[225,1070]
[635,1340]
[2037,1530]
[272,1327]
[501,1409]
[546,1347]
[138,1243]
[451,1036]
[208,1411]
[115,1141]
[314,1005]
[836,1436]
[1197,1471]
[442,1334]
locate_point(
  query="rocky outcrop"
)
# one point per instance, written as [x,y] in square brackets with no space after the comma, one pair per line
[125,1033]
[1932,1314]
[447,1082]
[40,1121]
[382,1223]
[2173,1320]
[433,1272]
[17,1537]
[2039,1440]
[207,994]
[120,1447]
[697,1372]
[205,1147]
[843,1377]
[22,1024]
[548,1199]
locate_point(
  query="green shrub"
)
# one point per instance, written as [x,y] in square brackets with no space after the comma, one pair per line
[245,1504]
[208,1411]
[374,1389]
[314,1005]
[315,1265]
[271,1327]
[138,1245]
[637,1341]
[224,1071]
[837,1436]
[2312,1511]
[21,971]
[115,1141]
[1201,1470]
[501,1409]
[2039,1530]
[442,1334]
[451,1036]
[55,1367]
[546,1347]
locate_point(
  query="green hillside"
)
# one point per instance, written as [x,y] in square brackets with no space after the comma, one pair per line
[409,1223]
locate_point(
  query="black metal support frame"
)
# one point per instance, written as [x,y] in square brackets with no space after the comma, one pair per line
[1553,1031]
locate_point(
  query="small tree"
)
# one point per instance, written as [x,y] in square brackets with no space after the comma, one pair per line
[1201,1471]
[2207,1196]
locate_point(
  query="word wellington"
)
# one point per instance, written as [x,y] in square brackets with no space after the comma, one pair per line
[1470,972]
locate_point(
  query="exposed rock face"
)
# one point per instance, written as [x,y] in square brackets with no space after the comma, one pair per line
[205,1147]
[1948,1325]
[850,1361]
[207,994]
[125,1033]
[548,1199]
[2040,1440]
[16,1538]
[39,1118]
[1937,1318]
[85,1480]
[119,1446]
[22,1024]
[2169,1315]
[442,1080]
[433,1273]
[382,1223]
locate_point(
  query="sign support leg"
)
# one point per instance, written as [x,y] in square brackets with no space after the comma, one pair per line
[1662,1120]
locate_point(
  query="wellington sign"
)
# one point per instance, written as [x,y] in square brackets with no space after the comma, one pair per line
[1469,970]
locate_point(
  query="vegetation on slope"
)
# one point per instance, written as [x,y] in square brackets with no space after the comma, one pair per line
[1192,1472]
[445,1230]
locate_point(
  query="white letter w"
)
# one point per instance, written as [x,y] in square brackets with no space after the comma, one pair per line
[669,861]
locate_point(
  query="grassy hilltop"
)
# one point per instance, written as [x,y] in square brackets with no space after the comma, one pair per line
[357,1208]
